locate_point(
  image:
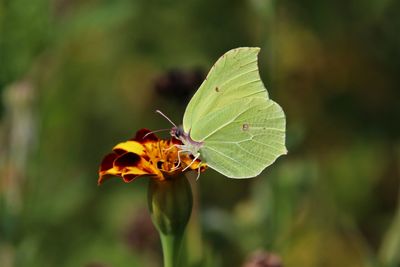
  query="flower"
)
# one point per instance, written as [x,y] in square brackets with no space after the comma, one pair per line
[170,198]
[147,155]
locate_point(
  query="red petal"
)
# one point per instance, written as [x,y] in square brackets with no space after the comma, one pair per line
[127,160]
[145,135]
[119,151]
[176,141]
[107,162]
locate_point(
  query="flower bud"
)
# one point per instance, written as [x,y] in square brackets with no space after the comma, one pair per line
[170,204]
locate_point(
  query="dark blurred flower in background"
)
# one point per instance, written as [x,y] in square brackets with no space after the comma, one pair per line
[96,264]
[263,259]
[179,84]
[140,234]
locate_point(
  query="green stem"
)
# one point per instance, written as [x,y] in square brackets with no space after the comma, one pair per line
[170,204]
[171,245]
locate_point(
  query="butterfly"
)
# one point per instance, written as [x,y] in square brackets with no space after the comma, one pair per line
[230,123]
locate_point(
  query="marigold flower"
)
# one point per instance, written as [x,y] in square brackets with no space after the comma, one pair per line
[147,155]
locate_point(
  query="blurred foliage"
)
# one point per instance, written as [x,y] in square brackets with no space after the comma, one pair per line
[76,77]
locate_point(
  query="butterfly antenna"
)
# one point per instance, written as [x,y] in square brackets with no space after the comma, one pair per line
[156,131]
[165,116]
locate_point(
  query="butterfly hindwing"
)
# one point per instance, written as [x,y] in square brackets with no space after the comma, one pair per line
[249,142]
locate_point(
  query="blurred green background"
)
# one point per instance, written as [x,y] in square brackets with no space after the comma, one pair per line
[77,77]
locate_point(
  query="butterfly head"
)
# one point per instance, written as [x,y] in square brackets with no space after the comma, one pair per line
[177,132]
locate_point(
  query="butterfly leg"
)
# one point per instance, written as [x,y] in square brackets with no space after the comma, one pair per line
[191,163]
[198,172]
[166,149]
[179,159]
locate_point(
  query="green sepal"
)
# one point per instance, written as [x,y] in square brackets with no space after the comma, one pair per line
[170,203]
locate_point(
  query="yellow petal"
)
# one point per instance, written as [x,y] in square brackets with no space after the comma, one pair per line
[131,146]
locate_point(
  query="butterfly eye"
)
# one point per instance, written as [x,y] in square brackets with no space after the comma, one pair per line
[177,132]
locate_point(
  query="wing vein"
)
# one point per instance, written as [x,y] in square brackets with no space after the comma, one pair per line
[248,63]
[237,76]
[250,153]
[245,140]
[226,156]
[226,124]
[267,145]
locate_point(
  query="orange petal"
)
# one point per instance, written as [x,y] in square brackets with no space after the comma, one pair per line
[107,167]
[132,165]
[130,146]
[129,176]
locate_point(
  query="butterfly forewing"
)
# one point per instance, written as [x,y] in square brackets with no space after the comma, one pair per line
[234,76]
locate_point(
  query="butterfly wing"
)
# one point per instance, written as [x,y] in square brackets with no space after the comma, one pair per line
[249,137]
[234,76]
[242,130]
